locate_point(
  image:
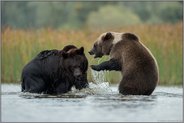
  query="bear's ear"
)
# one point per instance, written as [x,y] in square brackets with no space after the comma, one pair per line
[64,54]
[130,36]
[107,36]
[80,51]
[69,47]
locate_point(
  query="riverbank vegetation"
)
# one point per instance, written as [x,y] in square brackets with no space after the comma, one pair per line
[19,46]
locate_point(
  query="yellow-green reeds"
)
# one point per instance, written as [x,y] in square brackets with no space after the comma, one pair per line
[20,46]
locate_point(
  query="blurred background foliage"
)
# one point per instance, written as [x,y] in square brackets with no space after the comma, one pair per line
[88,14]
[30,27]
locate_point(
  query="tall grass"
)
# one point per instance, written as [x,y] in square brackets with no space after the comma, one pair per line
[20,46]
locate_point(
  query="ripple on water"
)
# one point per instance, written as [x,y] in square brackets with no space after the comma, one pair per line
[94,89]
[99,102]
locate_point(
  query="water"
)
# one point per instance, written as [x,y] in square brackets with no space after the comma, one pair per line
[99,103]
[98,76]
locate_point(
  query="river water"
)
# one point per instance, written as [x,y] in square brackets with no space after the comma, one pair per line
[99,103]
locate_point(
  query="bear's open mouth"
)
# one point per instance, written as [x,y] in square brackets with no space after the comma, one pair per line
[91,52]
[96,55]
[99,55]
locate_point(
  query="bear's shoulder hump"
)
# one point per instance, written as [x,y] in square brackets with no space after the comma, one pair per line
[46,53]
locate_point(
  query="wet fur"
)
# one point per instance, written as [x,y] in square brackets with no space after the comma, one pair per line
[135,61]
[47,73]
[37,76]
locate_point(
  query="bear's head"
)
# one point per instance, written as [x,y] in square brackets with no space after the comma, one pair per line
[103,45]
[106,41]
[76,65]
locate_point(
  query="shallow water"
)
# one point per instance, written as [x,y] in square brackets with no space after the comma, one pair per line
[99,103]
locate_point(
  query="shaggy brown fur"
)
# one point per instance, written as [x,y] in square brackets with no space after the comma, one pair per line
[128,55]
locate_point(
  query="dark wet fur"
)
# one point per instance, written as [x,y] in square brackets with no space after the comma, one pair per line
[47,73]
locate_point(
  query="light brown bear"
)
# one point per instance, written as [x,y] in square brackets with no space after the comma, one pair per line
[128,55]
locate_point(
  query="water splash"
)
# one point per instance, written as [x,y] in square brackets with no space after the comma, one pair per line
[94,89]
[98,76]
[99,84]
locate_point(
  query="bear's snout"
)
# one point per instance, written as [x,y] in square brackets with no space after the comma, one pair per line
[91,52]
[77,72]
[97,54]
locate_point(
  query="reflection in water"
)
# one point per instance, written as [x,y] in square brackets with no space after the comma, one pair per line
[168,94]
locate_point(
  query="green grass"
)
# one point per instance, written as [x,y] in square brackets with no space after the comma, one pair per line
[164,41]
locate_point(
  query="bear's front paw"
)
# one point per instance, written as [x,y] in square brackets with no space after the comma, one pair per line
[95,67]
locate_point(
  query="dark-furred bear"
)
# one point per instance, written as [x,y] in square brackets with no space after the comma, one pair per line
[56,71]
[128,55]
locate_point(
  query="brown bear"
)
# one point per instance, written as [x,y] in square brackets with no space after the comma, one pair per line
[128,55]
[56,71]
